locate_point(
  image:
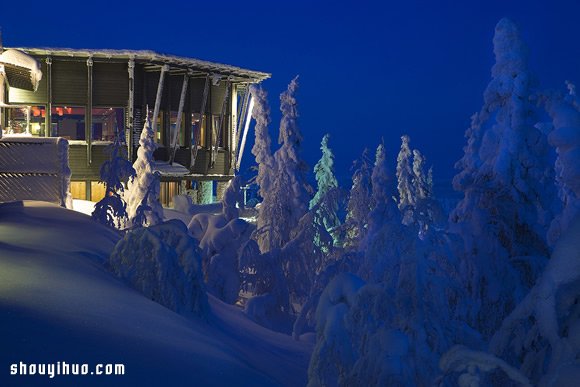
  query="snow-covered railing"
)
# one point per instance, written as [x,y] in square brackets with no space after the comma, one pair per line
[33,168]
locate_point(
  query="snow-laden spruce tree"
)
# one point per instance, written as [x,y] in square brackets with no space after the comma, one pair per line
[115,172]
[359,204]
[384,207]
[263,153]
[506,179]
[142,195]
[427,210]
[326,198]
[420,184]
[405,180]
[284,268]
[286,199]
[565,138]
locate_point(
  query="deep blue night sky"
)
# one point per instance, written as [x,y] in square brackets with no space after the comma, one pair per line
[368,69]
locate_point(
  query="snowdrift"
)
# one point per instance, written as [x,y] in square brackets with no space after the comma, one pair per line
[58,303]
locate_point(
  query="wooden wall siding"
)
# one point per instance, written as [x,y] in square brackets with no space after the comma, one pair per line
[196,86]
[217,97]
[183,156]
[151,82]
[69,82]
[202,160]
[16,96]
[176,82]
[139,85]
[110,84]
[78,161]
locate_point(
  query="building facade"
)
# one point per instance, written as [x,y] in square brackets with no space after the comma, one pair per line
[198,110]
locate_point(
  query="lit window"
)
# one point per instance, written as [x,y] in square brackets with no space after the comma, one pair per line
[68,122]
[26,120]
[106,121]
[199,130]
[181,134]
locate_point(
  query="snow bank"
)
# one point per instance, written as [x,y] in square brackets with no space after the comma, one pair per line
[59,304]
[163,263]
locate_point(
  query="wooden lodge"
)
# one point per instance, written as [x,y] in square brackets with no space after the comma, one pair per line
[198,109]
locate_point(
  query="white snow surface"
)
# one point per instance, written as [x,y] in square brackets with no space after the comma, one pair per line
[58,303]
[18,58]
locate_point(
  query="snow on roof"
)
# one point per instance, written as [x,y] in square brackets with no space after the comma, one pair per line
[165,169]
[154,57]
[19,59]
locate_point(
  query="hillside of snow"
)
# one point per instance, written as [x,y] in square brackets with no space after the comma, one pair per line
[58,303]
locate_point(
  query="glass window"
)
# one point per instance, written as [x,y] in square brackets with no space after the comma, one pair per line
[181,135]
[68,122]
[199,130]
[23,120]
[106,121]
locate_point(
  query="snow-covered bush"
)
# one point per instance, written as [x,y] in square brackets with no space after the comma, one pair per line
[222,238]
[115,172]
[333,355]
[163,263]
[142,195]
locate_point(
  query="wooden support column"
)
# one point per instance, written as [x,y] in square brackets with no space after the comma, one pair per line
[178,120]
[164,69]
[196,134]
[215,141]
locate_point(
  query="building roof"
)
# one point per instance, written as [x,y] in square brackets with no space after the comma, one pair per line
[154,61]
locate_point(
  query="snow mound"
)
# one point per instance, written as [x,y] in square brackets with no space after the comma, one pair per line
[164,264]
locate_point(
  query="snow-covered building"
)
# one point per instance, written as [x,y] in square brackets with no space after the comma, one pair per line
[198,112]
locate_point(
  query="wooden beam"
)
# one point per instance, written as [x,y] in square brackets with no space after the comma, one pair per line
[158,98]
[178,121]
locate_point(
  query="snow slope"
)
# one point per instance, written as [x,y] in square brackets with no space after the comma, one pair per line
[58,303]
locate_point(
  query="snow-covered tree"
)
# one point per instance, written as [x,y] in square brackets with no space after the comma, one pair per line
[565,138]
[420,185]
[142,193]
[284,223]
[163,263]
[264,158]
[506,179]
[286,200]
[384,208]
[405,180]
[359,203]
[115,172]
[326,199]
